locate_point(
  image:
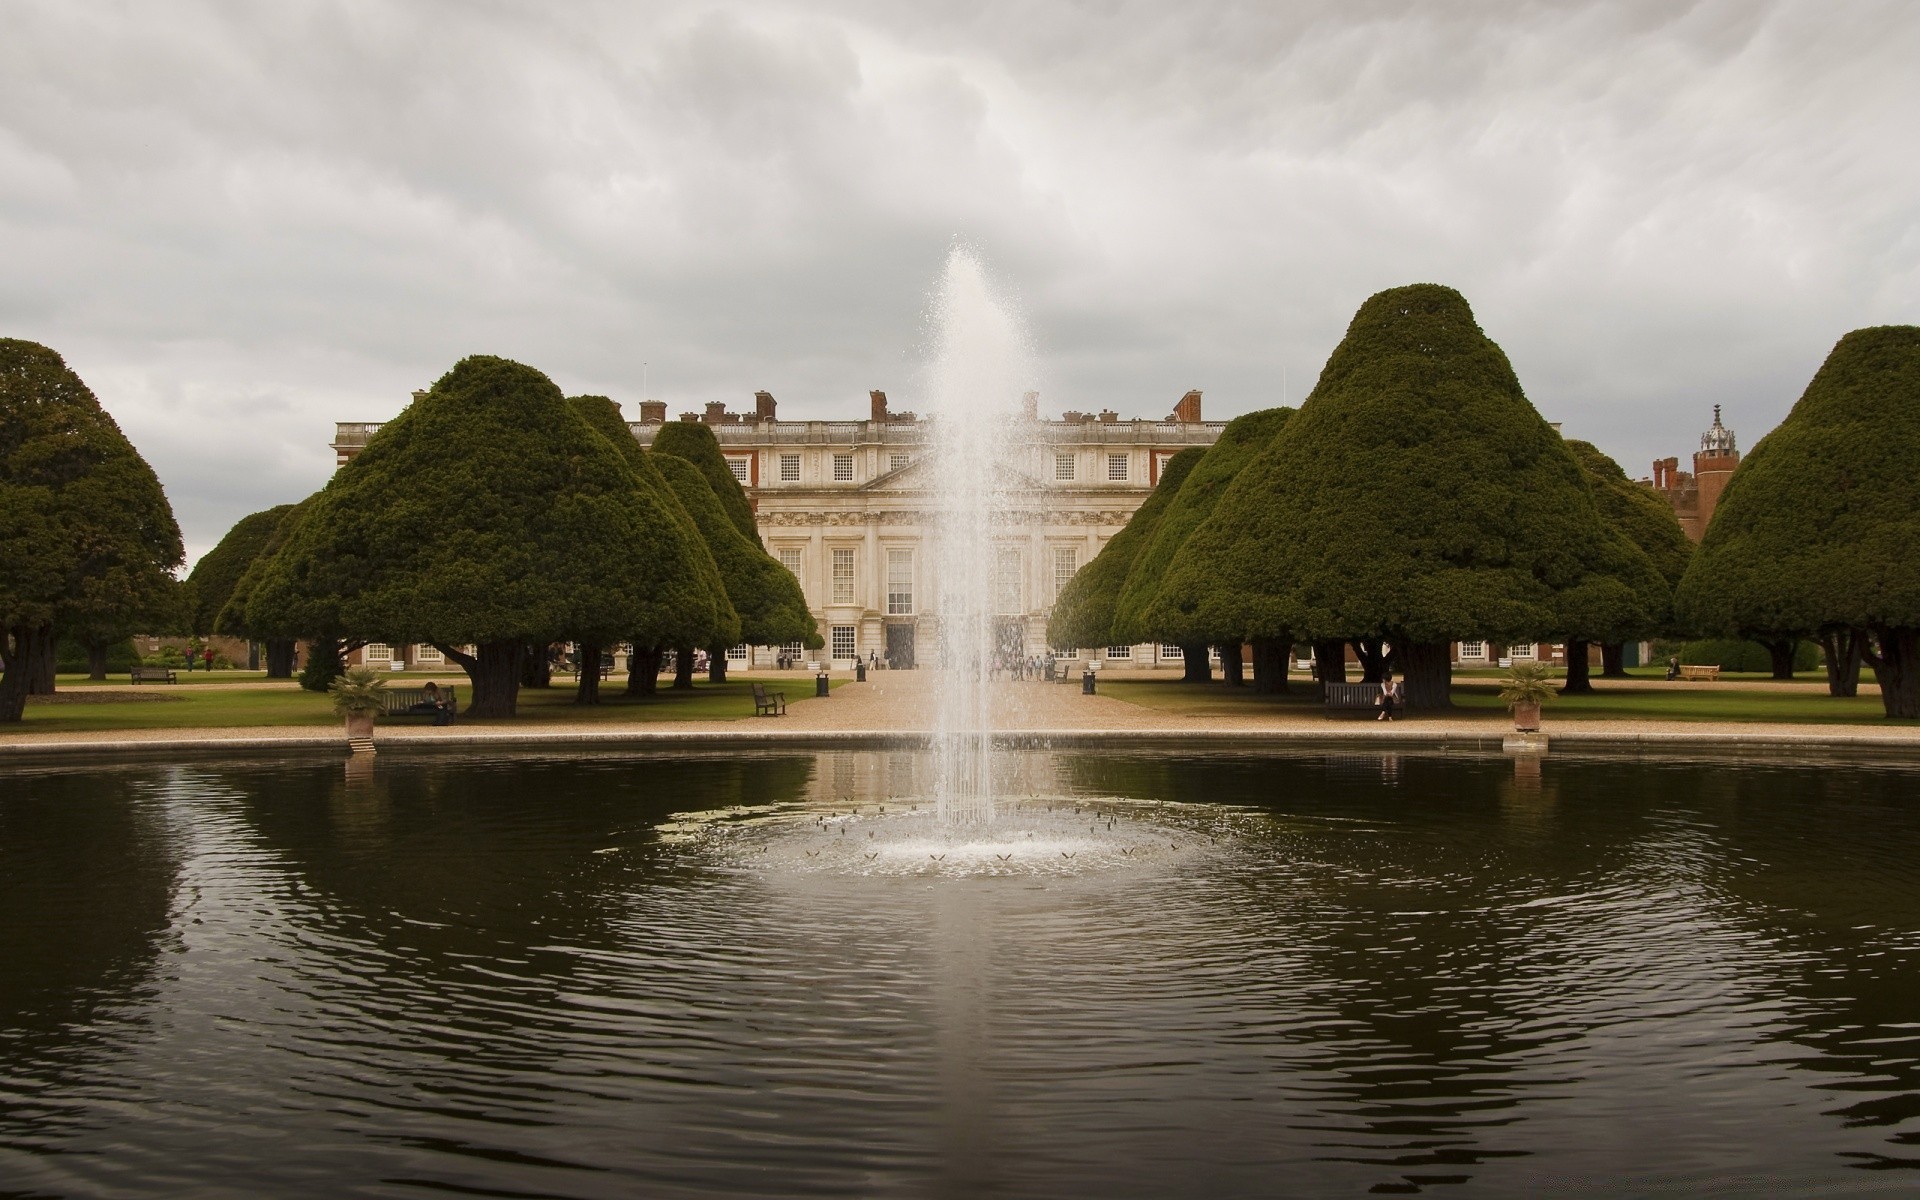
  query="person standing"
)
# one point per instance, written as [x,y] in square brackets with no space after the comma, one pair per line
[1389,698]
[208,655]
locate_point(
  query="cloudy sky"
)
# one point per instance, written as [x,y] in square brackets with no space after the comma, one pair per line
[243,222]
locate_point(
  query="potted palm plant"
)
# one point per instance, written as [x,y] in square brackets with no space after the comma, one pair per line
[359,696]
[1524,690]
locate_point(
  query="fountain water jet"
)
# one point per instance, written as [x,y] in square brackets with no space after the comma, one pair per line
[981,366]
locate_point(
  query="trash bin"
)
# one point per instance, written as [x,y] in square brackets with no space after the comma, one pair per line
[860,672]
[820,684]
[1086,683]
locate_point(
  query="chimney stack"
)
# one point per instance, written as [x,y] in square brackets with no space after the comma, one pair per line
[1109,417]
[1188,410]
[653,412]
[1030,404]
[716,412]
[879,401]
[763,406]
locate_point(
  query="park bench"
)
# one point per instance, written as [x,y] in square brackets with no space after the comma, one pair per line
[1706,674]
[413,702]
[768,704]
[154,675]
[1355,698]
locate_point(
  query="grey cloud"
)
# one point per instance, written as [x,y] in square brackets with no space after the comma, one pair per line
[244,222]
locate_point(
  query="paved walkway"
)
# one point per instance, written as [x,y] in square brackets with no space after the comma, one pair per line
[902,704]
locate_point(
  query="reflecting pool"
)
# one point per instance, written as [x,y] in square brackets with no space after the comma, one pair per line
[1165,973]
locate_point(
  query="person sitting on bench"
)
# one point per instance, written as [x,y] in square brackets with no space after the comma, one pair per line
[430,701]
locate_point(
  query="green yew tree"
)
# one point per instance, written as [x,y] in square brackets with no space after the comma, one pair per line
[1816,530]
[1643,518]
[88,543]
[643,664]
[695,442]
[491,515]
[1416,497]
[218,574]
[1083,612]
[1137,616]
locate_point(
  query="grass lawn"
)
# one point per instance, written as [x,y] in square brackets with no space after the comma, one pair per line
[279,702]
[1655,701]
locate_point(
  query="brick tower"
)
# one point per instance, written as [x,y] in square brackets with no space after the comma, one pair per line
[1712,466]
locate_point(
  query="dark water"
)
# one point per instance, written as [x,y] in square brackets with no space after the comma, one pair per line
[1349,974]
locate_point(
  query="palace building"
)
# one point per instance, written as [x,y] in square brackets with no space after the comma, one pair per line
[847,507]
[1694,495]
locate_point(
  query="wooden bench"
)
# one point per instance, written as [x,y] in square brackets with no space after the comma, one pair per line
[413,702]
[1357,698]
[154,675]
[768,704]
[1705,674]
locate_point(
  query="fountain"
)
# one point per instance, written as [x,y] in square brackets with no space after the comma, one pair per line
[981,365]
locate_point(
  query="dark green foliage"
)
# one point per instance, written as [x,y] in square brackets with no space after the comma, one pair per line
[1732,654]
[772,609]
[71,655]
[88,543]
[1083,612]
[1817,528]
[695,442]
[723,627]
[1417,496]
[1636,511]
[220,570]
[489,513]
[1137,615]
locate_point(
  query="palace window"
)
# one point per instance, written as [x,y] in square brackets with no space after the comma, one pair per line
[843,574]
[1066,560]
[899,583]
[1475,650]
[424,653]
[737,653]
[1063,468]
[790,559]
[794,651]
[1173,652]
[900,460]
[1006,581]
[1119,651]
[742,468]
[843,468]
[843,644]
[1523,650]
[789,468]
[378,652]
[1116,466]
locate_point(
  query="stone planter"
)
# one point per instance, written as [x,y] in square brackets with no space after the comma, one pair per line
[359,725]
[1526,718]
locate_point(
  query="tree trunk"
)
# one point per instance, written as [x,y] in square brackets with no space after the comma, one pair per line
[1780,650]
[1577,683]
[494,670]
[97,662]
[1232,671]
[1373,658]
[587,688]
[1199,670]
[40,666]
[1843,648]
[280,654]
[1429,674]
[1270,665]
[536,666]
[1613,660]
[643,670]
[18,645]
[1330,661]
[1897,667]
[717,665]
[683,668]
[326,662]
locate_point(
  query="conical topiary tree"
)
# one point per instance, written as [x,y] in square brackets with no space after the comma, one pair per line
[218,574]
[489,514]
[1817,529]
[1083,611]
[649,645]
[1416,497]
[88,543]
[1646,520]
[695,442]
[1137,615]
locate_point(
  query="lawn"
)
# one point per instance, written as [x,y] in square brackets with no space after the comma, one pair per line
[160,706]
[1653,700]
